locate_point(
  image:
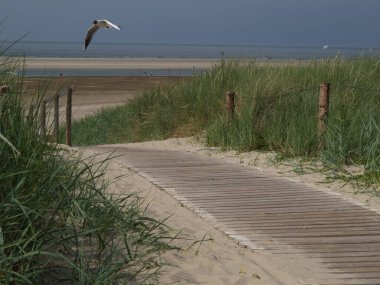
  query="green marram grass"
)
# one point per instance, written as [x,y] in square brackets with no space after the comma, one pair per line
[58,222]
[276,110]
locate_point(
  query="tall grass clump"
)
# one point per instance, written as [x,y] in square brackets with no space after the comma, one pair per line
[278,108]
[58,222]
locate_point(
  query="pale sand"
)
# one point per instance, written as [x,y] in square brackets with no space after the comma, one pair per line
[140,63]
[218,260]
[118,63]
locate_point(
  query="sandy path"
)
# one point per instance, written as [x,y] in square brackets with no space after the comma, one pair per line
[221,261]
[218,260]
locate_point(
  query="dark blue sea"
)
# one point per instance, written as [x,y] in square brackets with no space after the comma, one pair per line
[140,50]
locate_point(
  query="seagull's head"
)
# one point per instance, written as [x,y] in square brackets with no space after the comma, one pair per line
[95,22]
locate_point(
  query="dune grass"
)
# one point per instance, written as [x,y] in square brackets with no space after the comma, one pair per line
[58,221]
[276,110]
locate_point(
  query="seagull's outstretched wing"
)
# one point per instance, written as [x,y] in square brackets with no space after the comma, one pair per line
[96,25]
[112,25]
[90,33]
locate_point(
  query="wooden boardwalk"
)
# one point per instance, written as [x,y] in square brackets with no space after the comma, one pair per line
[337,240]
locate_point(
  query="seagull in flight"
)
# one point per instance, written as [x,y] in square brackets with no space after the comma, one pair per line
[95,26]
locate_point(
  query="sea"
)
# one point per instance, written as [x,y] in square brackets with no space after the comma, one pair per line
[185,51]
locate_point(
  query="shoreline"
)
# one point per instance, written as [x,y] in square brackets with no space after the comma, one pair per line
[118,63]
[127,67]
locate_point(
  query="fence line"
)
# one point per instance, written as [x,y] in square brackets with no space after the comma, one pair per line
[42,116]
[323,107]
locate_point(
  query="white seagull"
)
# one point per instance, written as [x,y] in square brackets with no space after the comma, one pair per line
[95,26]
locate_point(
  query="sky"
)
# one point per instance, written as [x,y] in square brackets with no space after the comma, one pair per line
[346,23]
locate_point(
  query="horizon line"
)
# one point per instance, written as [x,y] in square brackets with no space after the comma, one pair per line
[207,44]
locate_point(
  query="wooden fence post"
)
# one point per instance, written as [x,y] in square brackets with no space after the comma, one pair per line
[324,94]
[4,89]
[56,117]
[230,104]
[43,118]
[69,115]
[30,115]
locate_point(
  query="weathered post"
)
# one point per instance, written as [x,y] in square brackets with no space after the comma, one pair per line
[56,117]
[30,115]
[69,115]
[4,89]
[43,118]
[230,104]
[324,94]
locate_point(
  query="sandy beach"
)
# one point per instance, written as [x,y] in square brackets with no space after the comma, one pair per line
[39,66]
[142,63]
[148,66]
[118,63]
[94,92]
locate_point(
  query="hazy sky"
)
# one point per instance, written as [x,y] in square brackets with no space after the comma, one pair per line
[273,22]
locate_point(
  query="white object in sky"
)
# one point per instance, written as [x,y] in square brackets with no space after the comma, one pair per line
[325,47]
[95,26]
